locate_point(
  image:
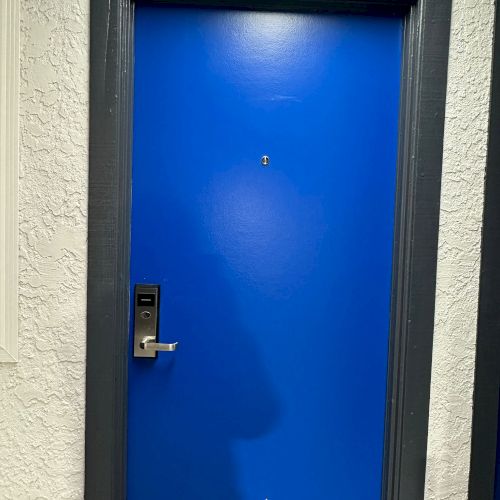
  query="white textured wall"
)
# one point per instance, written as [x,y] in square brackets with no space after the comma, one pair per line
[42,398]
[465,144]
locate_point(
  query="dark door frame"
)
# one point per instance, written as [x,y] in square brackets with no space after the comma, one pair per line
[424,74]
[487,368]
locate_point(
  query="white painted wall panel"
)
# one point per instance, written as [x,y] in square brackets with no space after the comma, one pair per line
[42,397]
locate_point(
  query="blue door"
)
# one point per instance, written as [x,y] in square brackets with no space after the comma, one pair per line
[264,175]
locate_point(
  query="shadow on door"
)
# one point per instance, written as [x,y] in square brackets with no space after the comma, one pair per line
[211,392]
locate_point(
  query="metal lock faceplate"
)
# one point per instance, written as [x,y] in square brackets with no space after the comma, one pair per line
[146,305]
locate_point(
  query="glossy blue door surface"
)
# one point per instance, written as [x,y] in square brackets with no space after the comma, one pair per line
[275,280]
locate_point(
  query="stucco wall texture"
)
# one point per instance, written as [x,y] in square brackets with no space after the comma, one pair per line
[42,398]
[464,164]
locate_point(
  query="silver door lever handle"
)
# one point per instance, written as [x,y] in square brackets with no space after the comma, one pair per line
[148,344]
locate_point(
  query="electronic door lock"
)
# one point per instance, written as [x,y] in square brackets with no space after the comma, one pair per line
[146,308]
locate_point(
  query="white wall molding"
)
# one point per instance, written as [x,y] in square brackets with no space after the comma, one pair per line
[9,102]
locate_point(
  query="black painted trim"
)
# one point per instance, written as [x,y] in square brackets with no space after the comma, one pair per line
[419,173]
[108,248]
[487,370]
[424,76]
[372,7]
